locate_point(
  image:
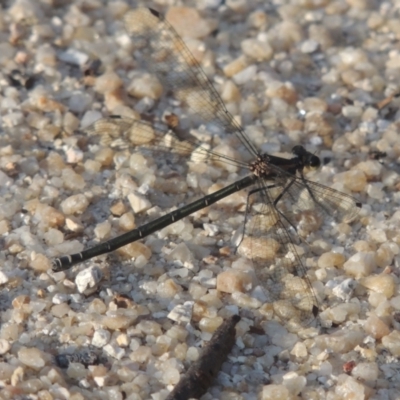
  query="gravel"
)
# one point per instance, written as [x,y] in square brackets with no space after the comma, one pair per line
[324,74]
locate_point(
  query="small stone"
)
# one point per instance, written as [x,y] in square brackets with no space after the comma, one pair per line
[345,289]
[74,57]
[354,180]
[88,279]
[145,85]
[101,337]
[275,392]
[17,376]
[97,306]
[4,347]
[367,371]
[75,204]
[72,180]
[108,82]
[188,22]
[383,283]
[234,281]
[360,264]
[40,263]
[127,221]
[102,230]
[182,312]
[340,341]
[135,250]
[60,310]
[259,51]
[349,388]
[392,343]
[3,278]
[118,209]
[330,260]
[235,66]
[246,75]
[294,383]
[32,357]
[299,350]
[138,202]
[120,319]
[309,46]
[210,324]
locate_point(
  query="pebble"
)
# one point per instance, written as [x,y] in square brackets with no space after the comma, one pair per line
[188,22]
[5,346]
[345,289]
[367,371]
[340,341]
[75,204]
[392,343]
[231,281]
[138,202]
[32,358]
[74,57]
[114,351]
[360,265]
[145,85]
[87,280]
[383,283]
[274,392]
[259,51]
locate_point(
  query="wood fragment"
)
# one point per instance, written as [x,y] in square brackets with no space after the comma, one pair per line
[202,373]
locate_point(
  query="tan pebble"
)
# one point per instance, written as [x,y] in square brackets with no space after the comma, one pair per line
[105,157]
[230,92]
[362,246]
[233,281]
[168,289]
[259,51]
[210,324]
[60,310]
[97,306]
[188,22]
[17,376]
[72,180]
[141,355]
[49,216]
[19,301]
[31,357]
[355,180]
[75,204]
[118,320]
[360,264]
[134,250]
[145,85]
[375,327]
[127,221]
[274,392]
[40,263]
[118,208]
[314,104]
[102,230]
[371,168]
[383,283]
[107,82]
[330,260]
[384,255]
[340,341]
[235,66]
[318,123]
[392,343]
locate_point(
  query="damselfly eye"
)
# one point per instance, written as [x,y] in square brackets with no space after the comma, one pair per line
[314,162]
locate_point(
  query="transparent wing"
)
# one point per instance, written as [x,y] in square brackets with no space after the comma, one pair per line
[124,132]
[276,262]
[167,56]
